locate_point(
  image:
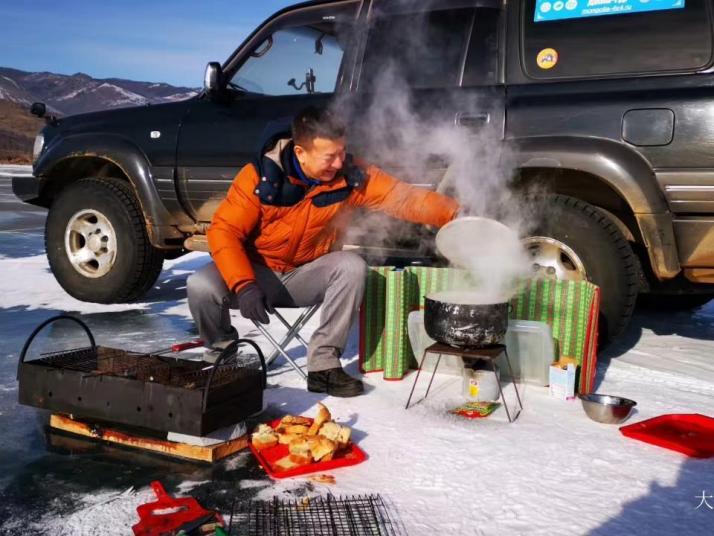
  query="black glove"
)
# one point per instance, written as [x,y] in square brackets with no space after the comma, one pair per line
[253,305]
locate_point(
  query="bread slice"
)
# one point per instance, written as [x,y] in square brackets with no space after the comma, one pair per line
[300,460]
[295,419]
[263,429]
[344,438]
[323,416]
[296,429]
[300,447]
[285,464]
[264,441]
[324,450]
[337,433]
[264,437]
[286,439]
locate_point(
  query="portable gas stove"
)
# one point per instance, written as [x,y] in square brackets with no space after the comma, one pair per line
[151,391]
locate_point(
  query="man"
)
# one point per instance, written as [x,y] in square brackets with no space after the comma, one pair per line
[271,241]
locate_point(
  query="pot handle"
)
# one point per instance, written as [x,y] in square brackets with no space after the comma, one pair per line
[39,328]
[227,352]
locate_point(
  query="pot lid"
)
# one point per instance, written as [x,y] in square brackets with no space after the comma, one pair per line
[473,240]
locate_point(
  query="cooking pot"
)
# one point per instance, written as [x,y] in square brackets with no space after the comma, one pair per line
[461,319]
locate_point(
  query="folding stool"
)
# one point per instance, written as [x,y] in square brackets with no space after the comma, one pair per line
[293,333]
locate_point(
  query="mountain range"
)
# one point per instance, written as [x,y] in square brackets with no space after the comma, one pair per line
[66,95]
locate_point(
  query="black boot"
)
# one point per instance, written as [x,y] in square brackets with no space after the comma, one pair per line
[335,382]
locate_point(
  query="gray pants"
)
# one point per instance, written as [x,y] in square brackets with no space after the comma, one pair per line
[336,280]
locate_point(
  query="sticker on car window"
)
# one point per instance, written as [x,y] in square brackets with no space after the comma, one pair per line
[547,58]
[549,10]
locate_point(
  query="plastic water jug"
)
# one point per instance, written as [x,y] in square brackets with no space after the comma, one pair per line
[530,350]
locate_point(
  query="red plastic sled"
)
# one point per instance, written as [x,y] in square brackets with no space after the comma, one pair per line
[167,514]
[268,456]
[689,433]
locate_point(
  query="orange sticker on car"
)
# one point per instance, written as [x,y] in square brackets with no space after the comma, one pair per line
[547,58]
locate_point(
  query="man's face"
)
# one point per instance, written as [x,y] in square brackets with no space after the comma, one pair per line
[322,159]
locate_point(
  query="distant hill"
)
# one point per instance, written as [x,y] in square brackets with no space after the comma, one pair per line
[17,133]
[66,95]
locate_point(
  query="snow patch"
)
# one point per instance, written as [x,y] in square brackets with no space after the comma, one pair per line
[12,81]
[124,95]
[179,96]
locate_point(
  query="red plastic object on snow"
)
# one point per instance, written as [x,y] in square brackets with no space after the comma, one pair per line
[167,515]
[268,456]
[689,433]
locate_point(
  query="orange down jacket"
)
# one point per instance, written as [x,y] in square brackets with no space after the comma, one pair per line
[245,230]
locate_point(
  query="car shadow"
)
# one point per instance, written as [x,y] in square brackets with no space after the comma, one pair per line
[666,509]
[695,324]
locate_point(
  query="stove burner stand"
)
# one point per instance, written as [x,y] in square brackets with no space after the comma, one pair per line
[488,353]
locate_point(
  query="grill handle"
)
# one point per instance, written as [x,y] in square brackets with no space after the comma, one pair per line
[32,336]
[230,350]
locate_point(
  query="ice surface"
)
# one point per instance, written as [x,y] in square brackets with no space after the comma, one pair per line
[553,472]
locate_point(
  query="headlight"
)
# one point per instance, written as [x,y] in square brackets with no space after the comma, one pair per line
[39,145]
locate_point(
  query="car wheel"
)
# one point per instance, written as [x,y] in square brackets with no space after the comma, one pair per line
[96,242]
[576,241]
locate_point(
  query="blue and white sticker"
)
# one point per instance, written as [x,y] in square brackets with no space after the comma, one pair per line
[547,10]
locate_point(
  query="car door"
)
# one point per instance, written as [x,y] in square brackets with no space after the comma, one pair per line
[430,99]
[297,59]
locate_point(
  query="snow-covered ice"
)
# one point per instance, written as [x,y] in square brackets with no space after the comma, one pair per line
[553,472]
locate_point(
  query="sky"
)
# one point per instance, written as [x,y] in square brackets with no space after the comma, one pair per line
[133,39]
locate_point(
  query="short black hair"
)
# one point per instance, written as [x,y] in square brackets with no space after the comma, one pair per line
[313,122]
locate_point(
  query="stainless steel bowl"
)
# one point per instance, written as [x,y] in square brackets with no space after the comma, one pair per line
[607,409]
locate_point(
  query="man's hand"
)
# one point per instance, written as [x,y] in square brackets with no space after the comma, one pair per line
[253,305]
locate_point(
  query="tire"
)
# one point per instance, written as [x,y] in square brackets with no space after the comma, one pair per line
[674,302]
[601,255]
[100,222]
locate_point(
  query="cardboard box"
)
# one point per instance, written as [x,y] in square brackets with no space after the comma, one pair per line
[562,381]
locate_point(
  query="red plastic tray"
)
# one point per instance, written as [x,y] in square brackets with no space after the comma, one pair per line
[267,457]
[689,433]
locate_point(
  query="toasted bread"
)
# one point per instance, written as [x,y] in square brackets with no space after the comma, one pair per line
[264,441]
[296,429]
[323,416]
[322,479]
[324,450]
[300,447]
[285,464]
[286,439]
[264,437]
[300,460]
[336,432]
[295,419]
[263,429]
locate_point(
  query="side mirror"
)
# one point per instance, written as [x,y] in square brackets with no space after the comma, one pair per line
[38,108]
[212,77]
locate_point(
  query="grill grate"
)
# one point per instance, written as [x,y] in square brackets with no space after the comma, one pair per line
[144,367]
[318,516]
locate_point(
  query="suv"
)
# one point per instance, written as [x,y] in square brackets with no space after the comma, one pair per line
[606,109]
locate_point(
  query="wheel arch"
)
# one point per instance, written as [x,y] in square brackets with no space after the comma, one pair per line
[90,155]
[609,176]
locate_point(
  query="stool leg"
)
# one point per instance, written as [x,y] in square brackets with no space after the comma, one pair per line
[293,331]
[421,364]
[280,350]
[513,380]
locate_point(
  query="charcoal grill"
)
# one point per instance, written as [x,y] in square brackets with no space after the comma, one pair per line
[151,391]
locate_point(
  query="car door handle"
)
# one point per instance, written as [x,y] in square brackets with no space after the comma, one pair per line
[476,120]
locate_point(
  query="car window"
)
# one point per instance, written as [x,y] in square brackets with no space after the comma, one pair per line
[565,38]
[292,61]
[427,48]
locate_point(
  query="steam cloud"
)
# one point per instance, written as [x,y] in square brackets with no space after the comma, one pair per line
[403,132]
